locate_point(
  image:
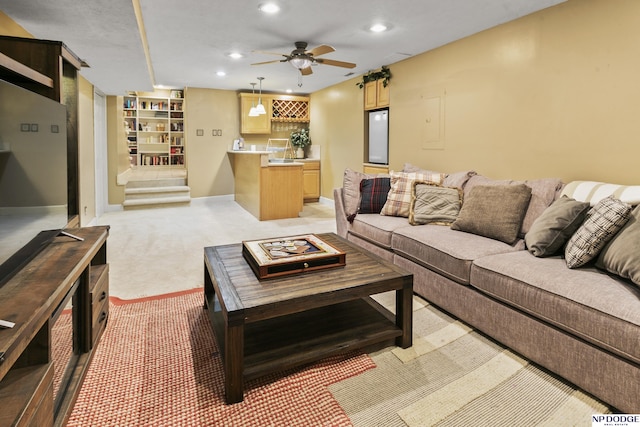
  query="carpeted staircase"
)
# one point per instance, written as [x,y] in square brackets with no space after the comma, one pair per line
[156,192]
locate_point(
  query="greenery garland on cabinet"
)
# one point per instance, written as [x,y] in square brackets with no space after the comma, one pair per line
[383,73]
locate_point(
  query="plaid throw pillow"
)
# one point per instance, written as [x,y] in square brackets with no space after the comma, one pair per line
[603,221]
[373,193]
[399,198]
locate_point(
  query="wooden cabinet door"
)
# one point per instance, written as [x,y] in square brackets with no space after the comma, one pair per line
[376,95]
[260,124]
[311,181]
[370,95]
[382,94]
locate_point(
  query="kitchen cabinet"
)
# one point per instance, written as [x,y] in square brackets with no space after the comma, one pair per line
[375,169]
[267,190]
[376,95]
[311,180]
[254,125]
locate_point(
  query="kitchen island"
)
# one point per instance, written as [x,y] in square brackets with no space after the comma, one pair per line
[267,190]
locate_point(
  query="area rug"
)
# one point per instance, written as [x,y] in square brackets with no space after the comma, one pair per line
[158,365]
[455,376]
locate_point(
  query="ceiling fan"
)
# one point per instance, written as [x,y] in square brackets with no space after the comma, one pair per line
[301,58]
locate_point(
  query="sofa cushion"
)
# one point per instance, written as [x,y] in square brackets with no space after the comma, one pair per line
[621,255]
[373,194]
[543,192]
[494,211]
[597,307]
[377,228]
[399,198]
[603,221]
[551,230]
[444,250]
[593,192]
[433,204]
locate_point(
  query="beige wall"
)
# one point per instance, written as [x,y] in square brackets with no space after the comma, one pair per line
[86,152]
[8,27]
[208,166]
[337,125]
[552,94]
[117,149]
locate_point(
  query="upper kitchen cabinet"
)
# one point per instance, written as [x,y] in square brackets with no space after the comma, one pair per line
[255,125]
[280,108]
[376,95]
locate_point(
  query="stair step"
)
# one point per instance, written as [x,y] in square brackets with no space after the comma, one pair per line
[151,190]
[162,182]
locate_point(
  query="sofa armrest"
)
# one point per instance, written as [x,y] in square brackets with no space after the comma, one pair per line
[342,225]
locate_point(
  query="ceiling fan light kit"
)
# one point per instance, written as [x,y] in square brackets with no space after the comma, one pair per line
[300,62]
[302,59]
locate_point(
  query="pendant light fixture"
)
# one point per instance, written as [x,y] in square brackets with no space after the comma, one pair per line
[253,112]
[260,108]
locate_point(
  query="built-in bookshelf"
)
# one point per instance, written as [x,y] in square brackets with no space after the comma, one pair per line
[154,126]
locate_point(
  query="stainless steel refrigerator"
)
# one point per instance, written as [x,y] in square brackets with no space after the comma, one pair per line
[379,137]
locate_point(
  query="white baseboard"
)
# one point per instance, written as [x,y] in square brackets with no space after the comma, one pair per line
[327,201]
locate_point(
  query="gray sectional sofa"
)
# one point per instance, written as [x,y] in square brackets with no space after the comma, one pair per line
[581,323]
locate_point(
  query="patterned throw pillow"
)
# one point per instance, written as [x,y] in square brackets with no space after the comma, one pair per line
[433,204]
[373,194]
[603,221]
[399,198]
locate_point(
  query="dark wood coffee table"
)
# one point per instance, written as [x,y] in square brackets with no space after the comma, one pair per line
[265,326]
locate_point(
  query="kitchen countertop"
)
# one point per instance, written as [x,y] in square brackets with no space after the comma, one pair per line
[265,159]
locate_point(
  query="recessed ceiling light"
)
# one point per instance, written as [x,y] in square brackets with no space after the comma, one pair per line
[221,74]
[289,90]
[378,28]
[269,8]
[235,55]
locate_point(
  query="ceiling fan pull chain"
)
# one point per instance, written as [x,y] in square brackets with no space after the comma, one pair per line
[299,80]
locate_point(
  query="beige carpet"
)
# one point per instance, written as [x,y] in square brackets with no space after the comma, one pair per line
[161,250]
[454,376]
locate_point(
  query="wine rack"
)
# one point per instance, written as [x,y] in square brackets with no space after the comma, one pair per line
[290,110]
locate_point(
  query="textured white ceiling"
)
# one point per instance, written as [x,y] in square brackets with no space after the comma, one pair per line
[189,39]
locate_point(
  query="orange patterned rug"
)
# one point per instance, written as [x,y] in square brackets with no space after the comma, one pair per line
[158,365]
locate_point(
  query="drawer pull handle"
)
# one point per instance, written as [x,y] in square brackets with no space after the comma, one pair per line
[103,316]
[103,295]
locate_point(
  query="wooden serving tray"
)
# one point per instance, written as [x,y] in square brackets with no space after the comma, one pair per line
[283,256]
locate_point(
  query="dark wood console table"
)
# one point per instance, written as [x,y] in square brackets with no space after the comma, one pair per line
[68,278]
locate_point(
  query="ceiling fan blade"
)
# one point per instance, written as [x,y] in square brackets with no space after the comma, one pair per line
[306,71]
[320,50]
[269,62]
[336,63]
